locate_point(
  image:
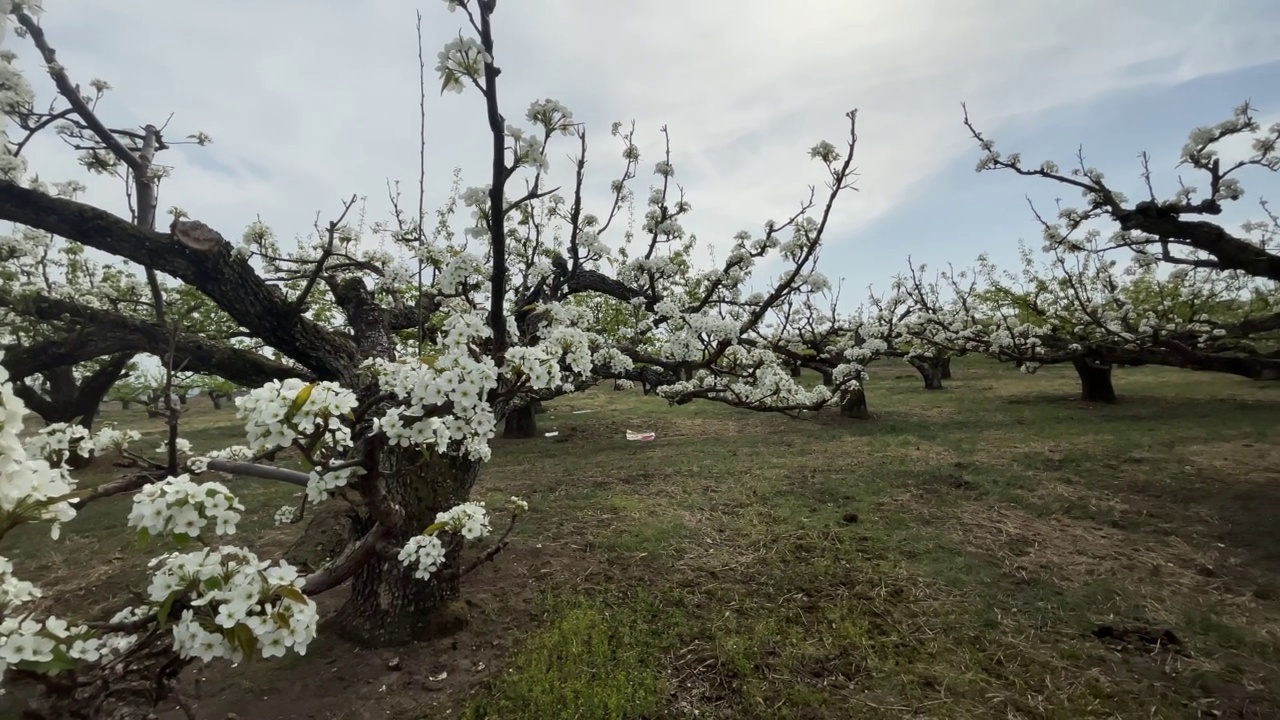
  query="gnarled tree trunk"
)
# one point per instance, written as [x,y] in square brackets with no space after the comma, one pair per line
[946,368]
[388,606]
[1095,380]
[129,690]
[72,401]
[521,423]
[69,400]
[855,406]
[930,370]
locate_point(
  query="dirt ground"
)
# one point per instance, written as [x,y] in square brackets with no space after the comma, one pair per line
[336,681]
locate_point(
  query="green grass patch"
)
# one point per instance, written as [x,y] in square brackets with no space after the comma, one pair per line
[589,659]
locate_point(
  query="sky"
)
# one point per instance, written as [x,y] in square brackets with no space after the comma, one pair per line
[308,103]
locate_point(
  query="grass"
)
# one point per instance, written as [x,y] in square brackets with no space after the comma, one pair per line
[997,549]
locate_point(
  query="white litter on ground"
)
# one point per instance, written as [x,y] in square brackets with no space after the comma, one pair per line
[644,437]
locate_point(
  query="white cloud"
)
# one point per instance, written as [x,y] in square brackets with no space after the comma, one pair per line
[309,102]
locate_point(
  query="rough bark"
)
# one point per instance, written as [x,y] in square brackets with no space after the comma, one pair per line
[129,690]
[521,423]
[855,406]
[228,280]
[93,332]
[946,368]
[1095,380]
[1230,252]
[68,400]
[388,606]
[930,371]
[795,371]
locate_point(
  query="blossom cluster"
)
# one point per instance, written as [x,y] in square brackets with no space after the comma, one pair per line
[222,592]
[33,490]
[179,506]
[281,412]
[57,443]
[426,552]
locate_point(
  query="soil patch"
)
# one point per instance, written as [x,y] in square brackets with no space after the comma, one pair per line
[335,680]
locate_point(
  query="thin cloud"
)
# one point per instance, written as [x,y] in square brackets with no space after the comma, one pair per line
[309,103]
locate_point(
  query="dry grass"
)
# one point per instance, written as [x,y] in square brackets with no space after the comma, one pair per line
[996,549]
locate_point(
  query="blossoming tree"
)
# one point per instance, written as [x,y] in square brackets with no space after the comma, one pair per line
[400,434]
[1219,308]
[1077,306]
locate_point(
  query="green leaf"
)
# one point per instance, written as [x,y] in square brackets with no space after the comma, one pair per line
[303,396]
[243,637]
[289,592]
[435,528]
[162,614]
[181,540]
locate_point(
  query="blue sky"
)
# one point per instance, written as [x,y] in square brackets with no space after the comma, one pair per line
[307,108]
[960,213]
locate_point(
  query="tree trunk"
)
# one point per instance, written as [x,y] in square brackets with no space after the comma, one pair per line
[827,379]
[130,690]
[68,399]
[930,370]
[855,406]
[217,398]
[538,407]
[521,423]
[126,404]
[1095,380]
[388,606]
[796,371]
[946,368]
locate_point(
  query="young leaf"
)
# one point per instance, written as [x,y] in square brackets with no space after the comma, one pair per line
[162,613]
[289,592]
[303,396]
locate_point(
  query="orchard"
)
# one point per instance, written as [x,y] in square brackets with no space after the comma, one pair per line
[419,386]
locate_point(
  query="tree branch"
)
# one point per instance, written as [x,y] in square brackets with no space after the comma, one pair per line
[228,280]
[103,332]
